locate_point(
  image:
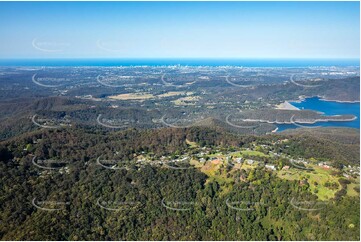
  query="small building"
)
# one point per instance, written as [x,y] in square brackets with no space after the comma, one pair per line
[184,159]
[239,160]
[285,168]
[324,165]
[303,182]
[216,161]
[250,162]
[270,167]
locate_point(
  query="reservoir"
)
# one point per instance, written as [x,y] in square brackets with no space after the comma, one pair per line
[327,108]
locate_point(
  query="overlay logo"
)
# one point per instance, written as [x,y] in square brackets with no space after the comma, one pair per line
[177,205]
[50,206]
[49,46]
[44,164]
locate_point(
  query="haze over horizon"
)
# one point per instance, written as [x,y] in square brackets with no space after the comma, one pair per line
[277,30]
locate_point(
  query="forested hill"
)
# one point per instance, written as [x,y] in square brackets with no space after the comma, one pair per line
[148,201]
[336,144]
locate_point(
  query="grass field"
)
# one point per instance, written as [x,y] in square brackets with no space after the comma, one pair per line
[192,144]
[132,96]
[350,189]
[196,163]
[213,170]
[184,101]
[316,179]
[248,167]
[170,94]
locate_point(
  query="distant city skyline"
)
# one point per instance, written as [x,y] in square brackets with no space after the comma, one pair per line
[180,30]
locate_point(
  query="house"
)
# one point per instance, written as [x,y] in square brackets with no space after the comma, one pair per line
[242,177]
[285,168]
[184,158]
[324,165]
[216,161]
[271,167]
[250,162]
[239,160]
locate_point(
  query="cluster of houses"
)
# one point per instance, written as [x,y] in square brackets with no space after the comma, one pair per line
[239,160]
[324,165]
[204,155]
[303,161]
[270,167]
[351,171]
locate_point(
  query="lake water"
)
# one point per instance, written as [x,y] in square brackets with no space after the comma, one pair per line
[328,108]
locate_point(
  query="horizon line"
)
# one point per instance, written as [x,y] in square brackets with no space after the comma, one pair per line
[218,58]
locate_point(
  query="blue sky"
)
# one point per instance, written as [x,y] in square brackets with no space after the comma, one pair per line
[179,30]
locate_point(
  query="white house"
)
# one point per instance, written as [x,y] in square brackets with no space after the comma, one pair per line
[271,167]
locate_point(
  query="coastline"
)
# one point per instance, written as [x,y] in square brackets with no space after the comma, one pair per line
[301,121]
[275,130]
[338,101]
[322,98]
[286,106]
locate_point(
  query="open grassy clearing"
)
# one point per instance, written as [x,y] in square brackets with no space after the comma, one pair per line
[192,144]
[316,180]
[351,188]
[132,96]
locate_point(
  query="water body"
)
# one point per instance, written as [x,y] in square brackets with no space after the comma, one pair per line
[182,62]
[328,108]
